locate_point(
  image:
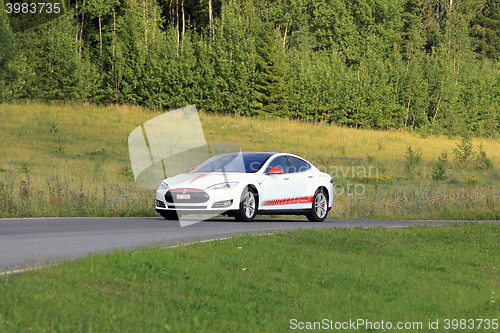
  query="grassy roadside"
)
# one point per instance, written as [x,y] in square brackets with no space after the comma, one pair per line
[260,283]
[72,160]
[69,161]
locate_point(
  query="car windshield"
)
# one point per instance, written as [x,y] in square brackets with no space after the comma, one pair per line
[235,162]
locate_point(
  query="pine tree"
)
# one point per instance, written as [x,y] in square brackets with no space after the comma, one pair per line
[485,27]
[439,173]
[8,48]
[269,88]
[411,18]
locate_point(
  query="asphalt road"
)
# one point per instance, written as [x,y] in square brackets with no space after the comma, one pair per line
[38,241]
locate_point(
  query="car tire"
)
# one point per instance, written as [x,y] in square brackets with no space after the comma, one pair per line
[248,205]
[170,215]
[319,208]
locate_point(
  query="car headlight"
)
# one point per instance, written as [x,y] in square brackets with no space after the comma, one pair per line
[163,186]
[223,186]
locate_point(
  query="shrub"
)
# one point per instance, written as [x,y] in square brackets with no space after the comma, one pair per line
[413,158]
[439,173]
[482,161]
[380,145]
[53,128]
[60,150]
[464,151]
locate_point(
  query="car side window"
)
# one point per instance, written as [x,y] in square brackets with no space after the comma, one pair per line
[297,165]
[278,162]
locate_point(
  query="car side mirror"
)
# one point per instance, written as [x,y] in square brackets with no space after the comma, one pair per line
[191,169]
[275,171]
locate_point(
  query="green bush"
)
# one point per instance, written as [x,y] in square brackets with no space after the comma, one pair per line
[481,160]
[413,158]
[439,173]
[464,151]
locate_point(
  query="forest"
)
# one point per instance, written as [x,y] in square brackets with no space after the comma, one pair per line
[426,65]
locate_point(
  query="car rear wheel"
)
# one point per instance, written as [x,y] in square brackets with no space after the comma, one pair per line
[170,215]
[319,208]
[248,206]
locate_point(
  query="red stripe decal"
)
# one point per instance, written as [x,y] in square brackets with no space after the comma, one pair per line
[205,175]
[289,201]
[306,200]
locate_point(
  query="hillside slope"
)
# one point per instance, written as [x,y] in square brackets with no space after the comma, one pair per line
[72,160]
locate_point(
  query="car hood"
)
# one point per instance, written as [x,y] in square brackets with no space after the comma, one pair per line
[200,180]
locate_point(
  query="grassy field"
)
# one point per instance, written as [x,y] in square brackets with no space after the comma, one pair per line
[72,160]
[261,283]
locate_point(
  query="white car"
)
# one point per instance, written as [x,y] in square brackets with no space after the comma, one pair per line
[245,184]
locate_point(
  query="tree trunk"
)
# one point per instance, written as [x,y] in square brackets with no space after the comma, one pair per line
[155,19]
[437,108]
[177,24]
[210,18]
[100,36]
[81,29]
[145,14]
[113,65]
[284,37]
[437,13]
[408,109]
[76,37]
[171,11]
[114,34]
[183,25]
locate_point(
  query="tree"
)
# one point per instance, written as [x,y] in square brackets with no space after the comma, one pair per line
[485,28]
[225,72]
[8,49]
[99,9]
[411,36]
[61,73]
[439,173]
[269,88]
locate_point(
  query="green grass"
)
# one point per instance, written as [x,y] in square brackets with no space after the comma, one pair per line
[260,283]
[72,160]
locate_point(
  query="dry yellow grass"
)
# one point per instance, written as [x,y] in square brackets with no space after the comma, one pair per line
[74,161]
[309,139]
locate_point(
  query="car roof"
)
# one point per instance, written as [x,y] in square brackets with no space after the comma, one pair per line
[259,153]
[267,153]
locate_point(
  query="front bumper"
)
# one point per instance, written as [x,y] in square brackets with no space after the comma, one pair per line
[218,201]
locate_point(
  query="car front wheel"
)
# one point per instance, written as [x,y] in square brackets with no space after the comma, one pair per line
[319,207]
[248,206]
